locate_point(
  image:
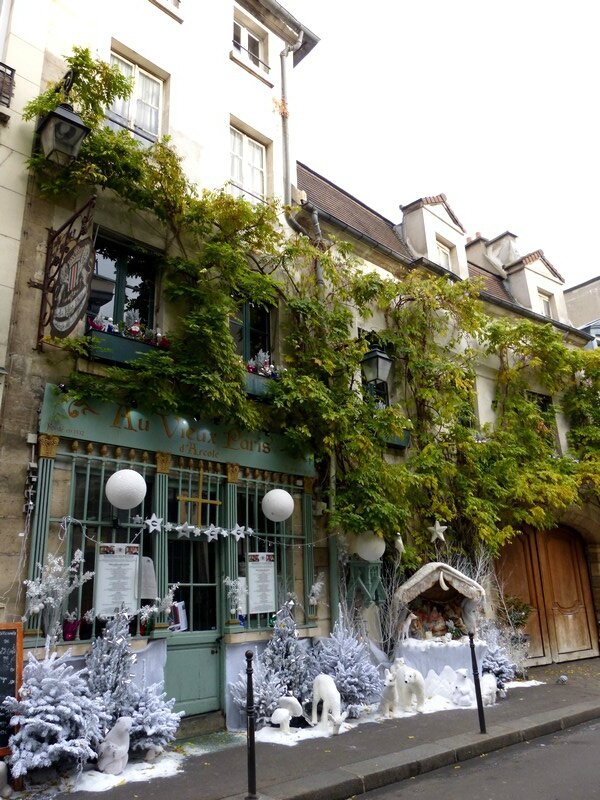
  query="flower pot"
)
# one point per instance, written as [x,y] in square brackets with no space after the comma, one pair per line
[70,628]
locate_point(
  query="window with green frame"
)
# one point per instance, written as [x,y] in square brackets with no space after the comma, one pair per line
[251,330]
[123,284]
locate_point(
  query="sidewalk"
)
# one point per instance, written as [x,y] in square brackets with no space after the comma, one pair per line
[377,754]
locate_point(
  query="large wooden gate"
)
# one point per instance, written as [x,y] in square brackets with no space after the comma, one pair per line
[549,572]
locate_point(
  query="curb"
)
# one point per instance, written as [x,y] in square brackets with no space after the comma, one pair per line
[364,776]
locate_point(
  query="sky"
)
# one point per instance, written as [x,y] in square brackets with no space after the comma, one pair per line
[493,104]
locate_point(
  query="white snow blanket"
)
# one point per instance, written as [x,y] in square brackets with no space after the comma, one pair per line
[435,654]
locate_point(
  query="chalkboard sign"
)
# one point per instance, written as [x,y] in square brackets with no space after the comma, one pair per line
[11,667]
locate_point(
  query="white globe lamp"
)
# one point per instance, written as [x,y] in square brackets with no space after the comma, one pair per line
[125,489]
[278,505]
[369,546]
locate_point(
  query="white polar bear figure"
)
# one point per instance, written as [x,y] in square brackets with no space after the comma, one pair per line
[489,689]
[413,687]
[113,753]
[388,705]
[324,689]
[464,689]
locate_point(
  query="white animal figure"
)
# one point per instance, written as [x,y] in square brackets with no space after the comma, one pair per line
[292,705]
[388,704]
[405,631]
[469,615]
[113,753]
[464,689]
[489,689]
[324,689]
[414,687]
[5,788]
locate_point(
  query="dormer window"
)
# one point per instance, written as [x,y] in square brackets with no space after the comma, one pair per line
[250,45]
[443,256]
[546,304]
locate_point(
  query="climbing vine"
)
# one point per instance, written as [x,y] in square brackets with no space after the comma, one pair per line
[485,482]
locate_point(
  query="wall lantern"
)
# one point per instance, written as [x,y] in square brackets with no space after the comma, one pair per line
[125,489]
[61,133]
[376,367]
[277,505]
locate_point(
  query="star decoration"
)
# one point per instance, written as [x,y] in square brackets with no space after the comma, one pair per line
[223,532]
[238,532]
[197,532]
[169,527]
[183,531]
[212,533]
[153,523]
[437,532]
[137,519]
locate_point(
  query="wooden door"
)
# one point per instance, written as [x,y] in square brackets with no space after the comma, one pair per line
[567,595]
[548,570]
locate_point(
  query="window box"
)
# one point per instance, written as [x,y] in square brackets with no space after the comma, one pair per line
[257,385]
[116,349]
[399,442]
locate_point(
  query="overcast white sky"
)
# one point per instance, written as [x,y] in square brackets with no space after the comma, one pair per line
[493,103]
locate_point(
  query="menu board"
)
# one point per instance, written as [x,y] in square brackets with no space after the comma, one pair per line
[116,579]
[11,668]
[261,583]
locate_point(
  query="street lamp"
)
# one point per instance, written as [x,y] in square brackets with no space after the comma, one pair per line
[376,367]
[61,133]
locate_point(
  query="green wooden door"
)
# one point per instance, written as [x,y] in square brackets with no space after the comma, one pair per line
[193,672]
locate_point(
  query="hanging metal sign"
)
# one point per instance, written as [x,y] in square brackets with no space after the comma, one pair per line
[68,273]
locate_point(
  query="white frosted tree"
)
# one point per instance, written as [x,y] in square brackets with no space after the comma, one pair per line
[154,721]
[345,657]
[285,656]
[108,669]
[58,721]
[268,687]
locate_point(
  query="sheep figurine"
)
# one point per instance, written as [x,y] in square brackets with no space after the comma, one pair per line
[388,704]
[324,689]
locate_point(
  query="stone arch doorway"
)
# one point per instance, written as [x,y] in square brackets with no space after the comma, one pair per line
[549,571]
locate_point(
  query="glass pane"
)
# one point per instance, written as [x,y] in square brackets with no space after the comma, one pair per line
[204,561]
[102,294]
[237,36]
[121,106]
[148,104]
[204,608]
[179,561]
[254,49]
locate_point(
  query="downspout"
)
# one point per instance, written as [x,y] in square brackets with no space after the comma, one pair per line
[317,239]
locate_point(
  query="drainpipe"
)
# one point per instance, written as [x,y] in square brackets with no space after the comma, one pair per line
[317,238]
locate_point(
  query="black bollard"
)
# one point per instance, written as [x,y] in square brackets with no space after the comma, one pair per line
[477,686]
[250,728]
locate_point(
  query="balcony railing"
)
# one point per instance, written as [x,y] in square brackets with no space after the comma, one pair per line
[7,84]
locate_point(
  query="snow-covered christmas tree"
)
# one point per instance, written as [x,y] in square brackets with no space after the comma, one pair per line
[108,672]
[285,656]
[496,659]
[268,687]
[345,657]
[59,721]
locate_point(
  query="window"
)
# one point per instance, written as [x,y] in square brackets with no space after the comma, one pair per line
[251,331]
[248,166]
[141,112]
[250,45]
[443,256]
[122,292]
[546,303]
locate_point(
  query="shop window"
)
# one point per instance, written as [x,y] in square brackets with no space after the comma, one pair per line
[122,291]
[141,112]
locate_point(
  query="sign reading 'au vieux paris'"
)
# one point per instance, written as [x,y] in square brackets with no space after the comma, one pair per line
[125,427]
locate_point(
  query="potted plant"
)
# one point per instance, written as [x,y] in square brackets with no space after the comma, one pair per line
[70,626]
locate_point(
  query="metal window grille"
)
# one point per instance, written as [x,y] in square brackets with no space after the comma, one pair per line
[7,84]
